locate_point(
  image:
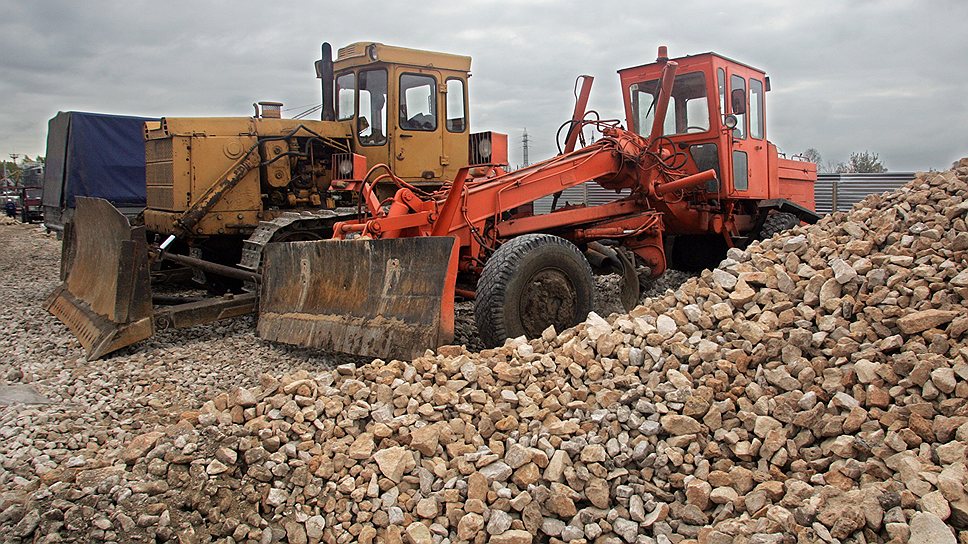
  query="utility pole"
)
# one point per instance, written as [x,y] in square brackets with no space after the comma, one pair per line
[524,145]
[14,157]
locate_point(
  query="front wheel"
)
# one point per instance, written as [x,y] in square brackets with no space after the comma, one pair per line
[531,282]
[776,223]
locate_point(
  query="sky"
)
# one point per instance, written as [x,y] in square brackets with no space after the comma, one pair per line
[886,76]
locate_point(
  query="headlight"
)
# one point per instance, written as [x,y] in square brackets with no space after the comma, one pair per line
[371,51]
[346,167]
[484,148]
[730,121]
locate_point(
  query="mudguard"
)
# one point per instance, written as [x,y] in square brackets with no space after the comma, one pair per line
[381,298]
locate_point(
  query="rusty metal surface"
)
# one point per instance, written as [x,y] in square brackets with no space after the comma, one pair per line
[204,311]
[98,335]
[105,299]
[381,298]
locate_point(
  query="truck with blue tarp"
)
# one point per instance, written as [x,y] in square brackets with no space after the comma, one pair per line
[93,155]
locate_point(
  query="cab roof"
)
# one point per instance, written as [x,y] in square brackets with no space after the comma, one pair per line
[697,57]
[361,53]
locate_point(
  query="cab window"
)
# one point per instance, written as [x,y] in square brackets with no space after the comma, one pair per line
[372,121]
[721,83]
[756,109]
[741,171]
[688,111]
[456,115]
[418,102]
[737,83]
[345,96]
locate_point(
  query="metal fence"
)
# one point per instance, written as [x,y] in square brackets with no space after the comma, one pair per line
[588,193]
[833,192]
[839,192]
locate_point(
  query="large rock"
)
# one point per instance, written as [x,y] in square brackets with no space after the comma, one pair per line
[139,446]
[927,528]
[916,322]
[394,462]
[514,536]
[679,425]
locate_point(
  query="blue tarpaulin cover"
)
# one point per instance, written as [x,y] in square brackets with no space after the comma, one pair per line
[104,157]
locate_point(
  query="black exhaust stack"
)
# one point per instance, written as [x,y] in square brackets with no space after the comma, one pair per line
[324,71]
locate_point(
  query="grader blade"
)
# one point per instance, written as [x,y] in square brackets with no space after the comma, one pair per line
[378,298]
[105,298]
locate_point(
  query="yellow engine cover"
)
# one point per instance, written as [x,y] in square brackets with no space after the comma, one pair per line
[185,156]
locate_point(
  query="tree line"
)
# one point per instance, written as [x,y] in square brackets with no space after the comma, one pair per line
[864,162]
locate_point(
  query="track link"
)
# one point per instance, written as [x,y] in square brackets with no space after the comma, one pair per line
[316,222]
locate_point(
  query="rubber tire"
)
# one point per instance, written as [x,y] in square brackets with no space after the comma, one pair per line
[508,273]
[776,223]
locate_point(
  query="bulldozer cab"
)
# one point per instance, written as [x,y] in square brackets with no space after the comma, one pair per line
[408,108]
[716,118]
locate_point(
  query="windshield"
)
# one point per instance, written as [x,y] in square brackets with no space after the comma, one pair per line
[688,107]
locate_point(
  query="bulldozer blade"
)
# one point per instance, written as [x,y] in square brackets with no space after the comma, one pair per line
[105,297]
[379,298]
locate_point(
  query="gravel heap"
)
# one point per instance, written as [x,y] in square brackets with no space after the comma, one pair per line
[811,389]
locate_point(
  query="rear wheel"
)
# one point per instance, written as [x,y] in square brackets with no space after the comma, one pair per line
[531,282]
[775,223]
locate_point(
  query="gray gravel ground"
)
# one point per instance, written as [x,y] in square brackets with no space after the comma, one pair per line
[96,406]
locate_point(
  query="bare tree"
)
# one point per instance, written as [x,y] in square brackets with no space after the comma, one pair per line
[862,163]
[812,155]
[824,167]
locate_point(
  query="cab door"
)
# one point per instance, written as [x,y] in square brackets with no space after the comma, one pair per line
[749,153]
[417,144]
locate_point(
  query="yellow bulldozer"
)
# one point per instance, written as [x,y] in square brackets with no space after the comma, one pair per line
[220,189]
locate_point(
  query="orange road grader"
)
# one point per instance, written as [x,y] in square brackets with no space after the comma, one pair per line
[699,172]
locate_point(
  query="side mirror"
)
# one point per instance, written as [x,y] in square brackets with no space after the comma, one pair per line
[738,101]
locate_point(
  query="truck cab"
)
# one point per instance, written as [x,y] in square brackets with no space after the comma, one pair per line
[408,109]
[716,119]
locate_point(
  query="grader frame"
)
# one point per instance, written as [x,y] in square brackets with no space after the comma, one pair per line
[669,194]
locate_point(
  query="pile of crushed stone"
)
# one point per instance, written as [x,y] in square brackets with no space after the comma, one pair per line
[812,388]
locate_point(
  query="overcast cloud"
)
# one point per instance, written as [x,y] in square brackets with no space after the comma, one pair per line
[886,76]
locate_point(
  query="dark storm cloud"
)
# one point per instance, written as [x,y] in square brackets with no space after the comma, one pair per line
[887,76]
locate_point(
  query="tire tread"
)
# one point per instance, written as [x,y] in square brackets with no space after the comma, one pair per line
[498,273]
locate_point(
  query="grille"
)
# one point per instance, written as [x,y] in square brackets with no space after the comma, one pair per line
[158,150]
[480,148]
[159,173]
[160,198]
[354,50]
